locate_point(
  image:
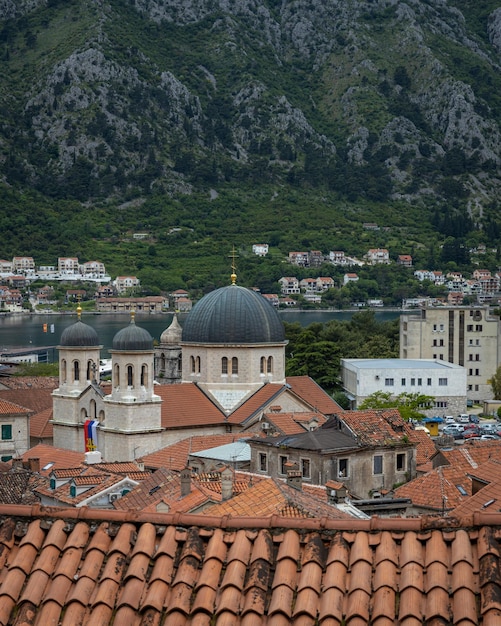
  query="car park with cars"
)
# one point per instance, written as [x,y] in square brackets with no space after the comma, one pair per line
[463,418]
[449,419]
[474,419]
[453,431]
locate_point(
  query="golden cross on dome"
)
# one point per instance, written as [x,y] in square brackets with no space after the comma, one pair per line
[233,267]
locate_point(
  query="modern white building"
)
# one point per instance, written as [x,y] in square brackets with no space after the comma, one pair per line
[444,382]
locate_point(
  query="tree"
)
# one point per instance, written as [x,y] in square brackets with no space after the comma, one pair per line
[495,383]
[408,404]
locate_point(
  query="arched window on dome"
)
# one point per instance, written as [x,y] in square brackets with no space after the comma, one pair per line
[198,364]
[234,366]
[76,371]
[92,410]
[270,364]
[116,375]
[63,370]
[224,365]
[262,367]
[130,376]
[179,363]
[144,375]
[192,364]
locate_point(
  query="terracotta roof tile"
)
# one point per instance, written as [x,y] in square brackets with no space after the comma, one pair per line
[35,399]
[175,456]
[187,404]
[257,402]
[67,567]
[40,425]
[307,389]
[53,458]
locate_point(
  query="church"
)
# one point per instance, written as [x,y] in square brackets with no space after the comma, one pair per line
[219,373]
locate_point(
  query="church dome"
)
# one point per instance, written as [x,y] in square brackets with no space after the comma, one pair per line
[132,338]
[233,315]
[79,335]
[172,335]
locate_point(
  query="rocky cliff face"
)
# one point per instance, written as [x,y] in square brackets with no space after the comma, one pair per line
[380,99]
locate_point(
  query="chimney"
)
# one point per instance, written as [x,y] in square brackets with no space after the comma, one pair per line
[336,491]
[185,482]
[140,464]
[34,465]
[226,484]
[294,478]
[17,464]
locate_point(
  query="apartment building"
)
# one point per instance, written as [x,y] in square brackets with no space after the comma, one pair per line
[466,336]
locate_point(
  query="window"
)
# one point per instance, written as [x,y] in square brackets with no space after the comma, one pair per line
[234,366]
[478,328]
[130,376]
[403,382]
[435,342]
[343,468]
[413,382]
[441,357]
[263,462]
[419,382]
[401,465]
[477,372]
[305,468]
[73,491]
[224,365]
[282,462]
[378,464]
[76,370]
[476,387]
[389,382]
[441,328]
[270,364]
[440,404]
[442,382]
[192,364]
[428,382]
[144,375]
[477,357]
[441,342]
[469,327]
[6,431]
[6,458]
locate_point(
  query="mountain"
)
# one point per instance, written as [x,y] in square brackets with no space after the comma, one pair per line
[118,115]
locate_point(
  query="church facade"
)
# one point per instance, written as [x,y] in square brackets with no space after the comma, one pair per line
[224,370]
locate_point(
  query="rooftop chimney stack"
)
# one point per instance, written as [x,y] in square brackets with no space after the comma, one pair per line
[226,484]
[185,481]
[294,477]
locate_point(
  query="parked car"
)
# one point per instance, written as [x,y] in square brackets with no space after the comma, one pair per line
[474,419]
[449,419]
[463,418]
[489,429]
[471,432]
[490,437]
[453,432]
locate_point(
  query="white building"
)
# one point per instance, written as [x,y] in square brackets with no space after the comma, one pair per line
[123,283]
[68,265]
[444,382]
[261,249]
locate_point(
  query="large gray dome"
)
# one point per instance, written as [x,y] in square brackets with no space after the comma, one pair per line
[133,338]
[79,335]
[233,315]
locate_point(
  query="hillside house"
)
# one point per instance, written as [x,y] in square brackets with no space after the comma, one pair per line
[376,256]
[260,249]
[68,265]
[405,260]
[23,265]
[289,285]
[299,258]
[350,277]
[124,283]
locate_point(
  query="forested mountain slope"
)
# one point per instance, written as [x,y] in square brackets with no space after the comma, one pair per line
[248,120]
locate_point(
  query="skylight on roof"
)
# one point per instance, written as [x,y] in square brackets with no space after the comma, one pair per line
[462,490]
[488,503]
[48,466]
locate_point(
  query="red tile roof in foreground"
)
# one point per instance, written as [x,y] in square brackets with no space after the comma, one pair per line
[109,568]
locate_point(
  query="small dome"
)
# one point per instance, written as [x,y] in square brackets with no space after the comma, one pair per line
[233,315]
[172,335]
[132,337]
[79,335]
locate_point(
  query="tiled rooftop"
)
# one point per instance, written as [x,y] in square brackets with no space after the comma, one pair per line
[273,497]
[73,567]
[40,425]
[306,388]
[176,455]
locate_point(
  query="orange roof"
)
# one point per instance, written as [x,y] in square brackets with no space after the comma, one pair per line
[378,426]
[488,498]
[273,497]
[442,489]
[175,456]
[88,567]
[35,399]
[307,389]
[186,405]
[257,402]
[40,425]
[9,408]
[53,458]
[293,423]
